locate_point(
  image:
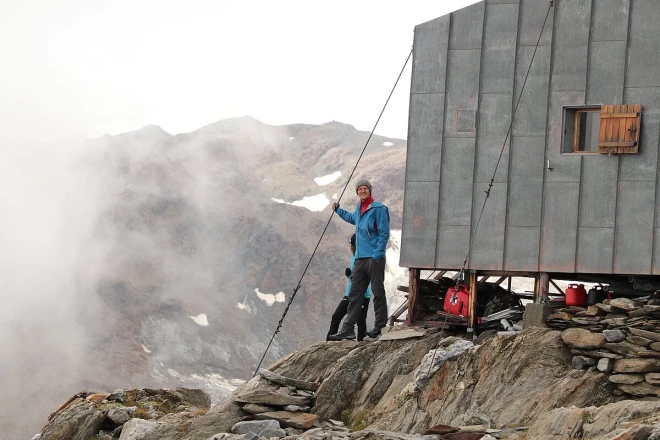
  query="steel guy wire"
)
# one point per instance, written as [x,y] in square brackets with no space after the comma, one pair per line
[490,186]
[295,291]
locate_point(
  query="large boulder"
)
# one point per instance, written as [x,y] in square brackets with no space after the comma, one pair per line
[80,420]
[583,339]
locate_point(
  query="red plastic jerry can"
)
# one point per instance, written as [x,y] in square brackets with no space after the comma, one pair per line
[576,295]
[456,300]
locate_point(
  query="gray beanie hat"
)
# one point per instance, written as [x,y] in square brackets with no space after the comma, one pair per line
[363,182]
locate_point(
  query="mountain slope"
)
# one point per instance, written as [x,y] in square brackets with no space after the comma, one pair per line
[182,251]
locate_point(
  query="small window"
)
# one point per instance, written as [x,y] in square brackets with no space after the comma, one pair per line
[581,130]
[607,129]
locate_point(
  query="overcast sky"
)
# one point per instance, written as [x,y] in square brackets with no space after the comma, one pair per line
[87,68]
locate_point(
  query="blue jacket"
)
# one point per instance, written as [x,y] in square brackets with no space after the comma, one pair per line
[372,230]
[367,294]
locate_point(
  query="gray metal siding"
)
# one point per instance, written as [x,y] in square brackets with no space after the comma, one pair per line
[425,138]
[456,181]
[559,235]
[425,134]
[421,214]
[643,61]
[634,228]
[595,250]
[591,213]
[571,45]
[430,56]
[525,187]
[522,248]
[499,48]
[489,239]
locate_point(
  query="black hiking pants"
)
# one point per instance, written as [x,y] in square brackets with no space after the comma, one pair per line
[339,314]
[365,271]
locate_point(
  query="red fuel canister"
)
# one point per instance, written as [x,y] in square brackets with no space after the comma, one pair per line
[456,300]
[576,295]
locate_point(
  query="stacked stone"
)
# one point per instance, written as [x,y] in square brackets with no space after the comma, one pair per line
[620,337]
[284,412]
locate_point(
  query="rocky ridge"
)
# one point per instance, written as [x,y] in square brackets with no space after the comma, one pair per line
[417,385]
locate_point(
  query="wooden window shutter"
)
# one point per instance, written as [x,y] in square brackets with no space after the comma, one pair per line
[619,128]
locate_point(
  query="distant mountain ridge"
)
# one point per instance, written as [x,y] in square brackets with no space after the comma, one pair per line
[194,247]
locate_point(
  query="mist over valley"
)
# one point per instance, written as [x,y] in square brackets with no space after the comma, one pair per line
[155,260]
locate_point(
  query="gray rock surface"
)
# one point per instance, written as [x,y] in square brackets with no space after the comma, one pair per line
[582,338]
[136,429]
[596,423]
[581,362]
[288,381]
[614,335]
[263,428]
[79,421]
[120,415]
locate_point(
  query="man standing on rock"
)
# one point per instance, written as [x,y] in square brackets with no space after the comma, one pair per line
[372,231]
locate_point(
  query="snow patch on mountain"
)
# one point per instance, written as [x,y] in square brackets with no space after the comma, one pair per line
[244,306]
[145,349]
[315,203]
[200,319]
[326,180]
[270,298]
[387,144]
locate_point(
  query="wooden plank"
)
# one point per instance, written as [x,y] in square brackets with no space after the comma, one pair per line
[624,134]
[603,127]
[576,132]
[619,115]
[413,295]
[472,307]
[610,125]
[637,122]
[617,144]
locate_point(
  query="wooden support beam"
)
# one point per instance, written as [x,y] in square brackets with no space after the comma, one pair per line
[440,274]
[484,278]
[500,279]
[541,287]
[544,286]
[472,308]
[499,273]
[398,312]
[557,287]
[413,295]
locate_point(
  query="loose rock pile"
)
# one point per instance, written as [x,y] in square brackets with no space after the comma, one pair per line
[620,337]
[280,412]
[122,414]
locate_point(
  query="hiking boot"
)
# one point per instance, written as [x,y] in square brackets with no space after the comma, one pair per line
[343,336]
[374,332]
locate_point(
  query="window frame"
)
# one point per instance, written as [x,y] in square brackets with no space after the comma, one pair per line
[576,129]
[570,120]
